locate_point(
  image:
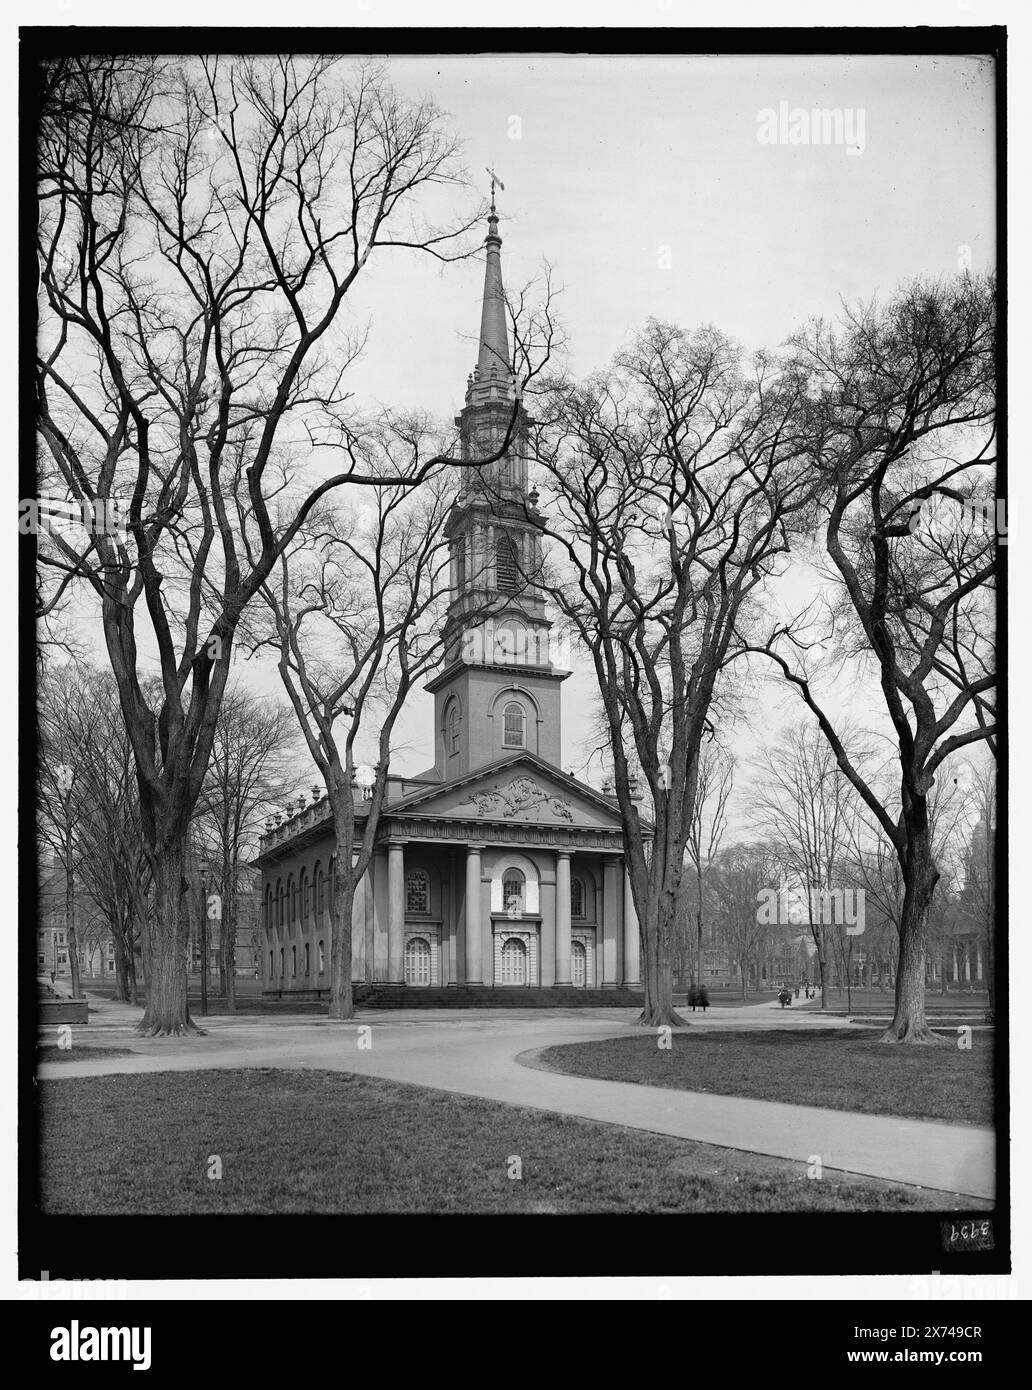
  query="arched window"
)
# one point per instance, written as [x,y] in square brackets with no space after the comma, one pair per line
[320,889]
[322,958]
[454,723]
[272,967]
[269,919]
[576,897]
[281,962]
[292,896]
[417,891]
[506,567]
[308,959]
[279,902]
[303,893]
[515,734]
[514,887]
[293,962]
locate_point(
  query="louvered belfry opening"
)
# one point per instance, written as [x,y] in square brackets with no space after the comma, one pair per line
[506,565]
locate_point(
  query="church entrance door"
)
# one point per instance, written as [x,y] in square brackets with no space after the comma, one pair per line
[578,964]
[514,962]
[417,962]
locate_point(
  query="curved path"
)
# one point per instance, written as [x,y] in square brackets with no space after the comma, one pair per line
[491,1054]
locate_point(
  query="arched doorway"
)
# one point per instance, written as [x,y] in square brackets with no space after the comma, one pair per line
[578,964]
[417,962]
[514,962]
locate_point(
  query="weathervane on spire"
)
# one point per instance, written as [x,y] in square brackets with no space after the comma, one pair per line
[495,180]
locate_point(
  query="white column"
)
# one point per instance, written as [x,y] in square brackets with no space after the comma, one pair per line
[474,965]
[631,939]
[612,903]
[358,941]
[562,917]
[396,911]
[369,926]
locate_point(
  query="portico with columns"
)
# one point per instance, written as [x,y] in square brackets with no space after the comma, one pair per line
[493,868]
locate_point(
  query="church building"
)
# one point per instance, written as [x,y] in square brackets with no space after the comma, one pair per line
[494,868]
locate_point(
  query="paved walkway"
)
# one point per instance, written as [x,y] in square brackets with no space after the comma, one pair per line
[490,1054]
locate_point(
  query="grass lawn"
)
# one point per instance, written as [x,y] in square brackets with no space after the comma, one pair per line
[882,1002]
[841,1069]
[315,1141]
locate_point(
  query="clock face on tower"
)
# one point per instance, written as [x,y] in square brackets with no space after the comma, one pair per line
[507,642]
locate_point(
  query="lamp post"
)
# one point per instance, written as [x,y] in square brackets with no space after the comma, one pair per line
[204,937]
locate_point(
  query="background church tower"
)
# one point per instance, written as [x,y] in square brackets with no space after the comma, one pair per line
[498,692]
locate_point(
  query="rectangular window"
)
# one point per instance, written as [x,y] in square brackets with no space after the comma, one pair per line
[417,892]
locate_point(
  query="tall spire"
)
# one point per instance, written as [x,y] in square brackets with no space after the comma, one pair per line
[493,361]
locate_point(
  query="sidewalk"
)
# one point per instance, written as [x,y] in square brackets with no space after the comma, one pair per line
[482,1054]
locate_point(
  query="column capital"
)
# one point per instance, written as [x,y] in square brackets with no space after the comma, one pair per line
[397,842]
[563,853]
[476,847]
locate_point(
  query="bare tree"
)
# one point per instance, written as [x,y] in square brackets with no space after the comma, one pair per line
[977,899]
[706,831]
[247,774]
[202,225]
[87,776]
[671,481]
[113,863]
[900,422]
[357,618]
[61,794]
[740,874]
[802,805]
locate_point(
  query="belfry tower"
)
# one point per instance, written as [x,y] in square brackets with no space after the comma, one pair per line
[498,691]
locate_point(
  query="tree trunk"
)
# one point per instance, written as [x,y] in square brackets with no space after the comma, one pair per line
[698,939]
[342,999]
[229,940]
[168,930]
[990,976]
[73,945]
[920,876]
[121,970]
[659,994]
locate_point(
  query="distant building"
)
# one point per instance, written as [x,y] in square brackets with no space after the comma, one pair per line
[96,948]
